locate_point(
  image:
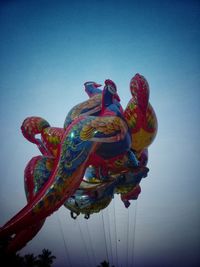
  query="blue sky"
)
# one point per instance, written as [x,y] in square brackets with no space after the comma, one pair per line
[48,49]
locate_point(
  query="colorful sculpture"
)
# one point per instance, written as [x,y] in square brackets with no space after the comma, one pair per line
[100,151]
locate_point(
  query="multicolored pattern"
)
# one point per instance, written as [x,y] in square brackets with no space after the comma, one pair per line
[140,115]
[32,126]
[91,198]
[96,133]
[87,108]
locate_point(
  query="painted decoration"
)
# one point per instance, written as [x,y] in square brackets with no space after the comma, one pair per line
[101,150]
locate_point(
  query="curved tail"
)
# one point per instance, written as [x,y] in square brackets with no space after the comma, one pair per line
[79,141]
[35,176]
[23,237]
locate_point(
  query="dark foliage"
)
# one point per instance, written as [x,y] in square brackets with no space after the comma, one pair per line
[45,259]
[105,264]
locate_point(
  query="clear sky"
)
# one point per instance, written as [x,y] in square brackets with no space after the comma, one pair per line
[48,49]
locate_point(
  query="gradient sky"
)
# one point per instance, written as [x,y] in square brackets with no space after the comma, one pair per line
[48,49]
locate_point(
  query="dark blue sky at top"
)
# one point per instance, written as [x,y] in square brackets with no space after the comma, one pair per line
[48,49]
[97,33]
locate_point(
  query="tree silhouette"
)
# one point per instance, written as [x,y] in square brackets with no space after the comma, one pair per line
[30,260]
[45,259]
[105,264]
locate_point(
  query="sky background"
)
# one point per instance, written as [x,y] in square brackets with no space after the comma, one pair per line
[48,49]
